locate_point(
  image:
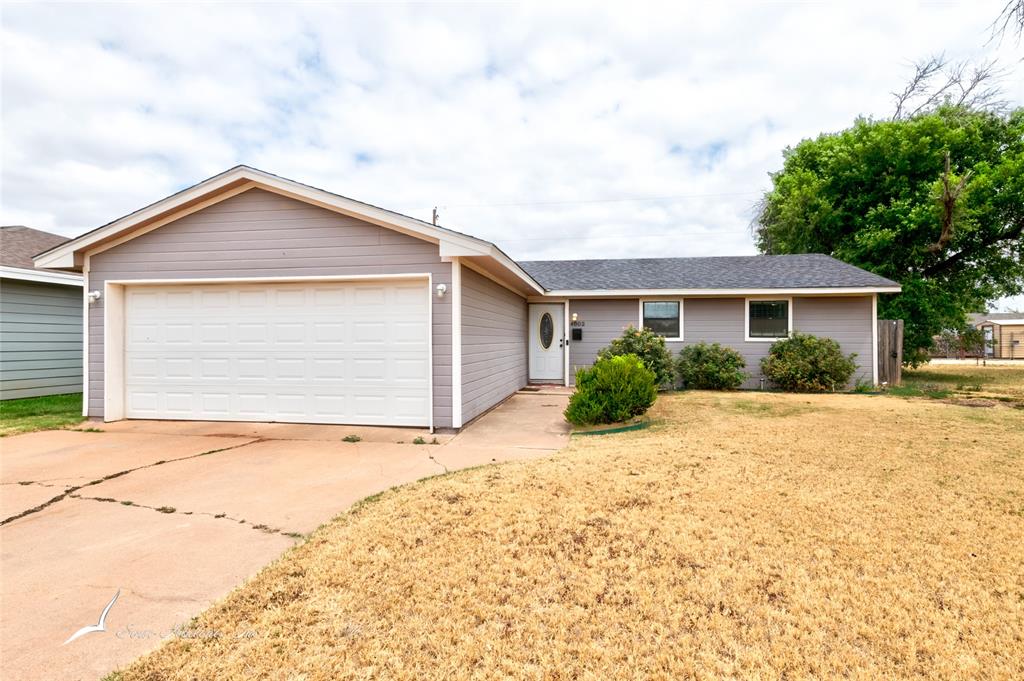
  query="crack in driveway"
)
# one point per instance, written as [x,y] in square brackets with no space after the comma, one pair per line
[72,489]
[431,457]
[170,509]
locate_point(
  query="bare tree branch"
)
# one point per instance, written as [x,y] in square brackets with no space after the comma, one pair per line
[937,81]
[1010,19]
[923,73]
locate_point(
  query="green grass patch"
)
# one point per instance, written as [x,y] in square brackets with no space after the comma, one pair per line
[995,381]
[924,390]
[765,408]
[40,413]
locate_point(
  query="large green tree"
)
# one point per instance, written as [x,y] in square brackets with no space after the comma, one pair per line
[935,202]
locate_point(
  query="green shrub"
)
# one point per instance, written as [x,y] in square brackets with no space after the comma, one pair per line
[614,389]
[806,363]
[710,366]
[650,348]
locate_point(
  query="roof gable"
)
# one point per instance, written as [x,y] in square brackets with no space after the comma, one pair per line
[71,255]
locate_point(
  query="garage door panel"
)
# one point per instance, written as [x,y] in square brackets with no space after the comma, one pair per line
[179,404]
[179,300]
[143,402]
[329,369]
[318,353]
[252,333]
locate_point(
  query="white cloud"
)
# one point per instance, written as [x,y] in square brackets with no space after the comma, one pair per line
[109,107]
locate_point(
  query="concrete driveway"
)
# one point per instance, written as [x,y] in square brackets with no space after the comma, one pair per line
[173,516]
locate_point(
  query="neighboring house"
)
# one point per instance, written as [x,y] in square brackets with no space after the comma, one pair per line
[1003,331]
[40,319]
[251,297]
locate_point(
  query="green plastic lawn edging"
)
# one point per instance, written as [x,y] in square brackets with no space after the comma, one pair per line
[616,429]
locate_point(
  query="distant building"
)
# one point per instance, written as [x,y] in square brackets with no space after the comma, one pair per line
[1004,333]
[40,319]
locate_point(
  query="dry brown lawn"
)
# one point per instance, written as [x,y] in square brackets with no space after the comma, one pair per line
[1003,382]
[742,535]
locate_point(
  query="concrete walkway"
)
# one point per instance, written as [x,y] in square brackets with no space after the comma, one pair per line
[174,515]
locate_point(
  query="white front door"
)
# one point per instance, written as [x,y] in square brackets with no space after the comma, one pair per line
[321,352]
[547,342]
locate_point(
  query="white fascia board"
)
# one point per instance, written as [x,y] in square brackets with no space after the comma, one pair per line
[1004,322]
[63,255]
[450,249]
[514,267]
[698,292]
[451,244]
[24,274]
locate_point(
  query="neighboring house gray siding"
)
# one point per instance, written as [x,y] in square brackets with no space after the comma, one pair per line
[494,338]
[40,339]
[261,234]
[721,320]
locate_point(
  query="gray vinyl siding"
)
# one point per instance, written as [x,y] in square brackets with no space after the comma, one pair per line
[261,234]
[494,337]
[602,320]
[40,339]
[846,320]
[721,320]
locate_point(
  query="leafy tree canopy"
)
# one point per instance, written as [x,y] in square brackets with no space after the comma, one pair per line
[878,195]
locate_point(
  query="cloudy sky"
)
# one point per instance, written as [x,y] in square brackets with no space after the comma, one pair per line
[565,132]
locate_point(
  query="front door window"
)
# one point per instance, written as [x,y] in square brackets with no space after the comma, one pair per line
[547,330]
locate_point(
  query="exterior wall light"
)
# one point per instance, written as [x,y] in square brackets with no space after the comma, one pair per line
[441,290]
[575,317]
[94,296]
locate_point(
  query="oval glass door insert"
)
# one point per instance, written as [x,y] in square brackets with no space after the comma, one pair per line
[547,330]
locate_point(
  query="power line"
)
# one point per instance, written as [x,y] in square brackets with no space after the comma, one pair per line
[618,236]
[585,201]
[673,197]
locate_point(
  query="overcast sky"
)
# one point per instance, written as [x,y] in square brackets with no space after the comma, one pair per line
[639,130]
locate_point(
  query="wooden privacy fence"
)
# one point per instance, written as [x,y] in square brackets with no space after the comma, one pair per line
[890,351]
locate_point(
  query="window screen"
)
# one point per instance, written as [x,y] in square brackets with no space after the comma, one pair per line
[662,317]
[769,318]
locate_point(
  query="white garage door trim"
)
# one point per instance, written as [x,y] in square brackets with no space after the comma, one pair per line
[114,326]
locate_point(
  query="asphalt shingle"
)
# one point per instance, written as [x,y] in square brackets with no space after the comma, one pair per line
[18,244]
[730,272]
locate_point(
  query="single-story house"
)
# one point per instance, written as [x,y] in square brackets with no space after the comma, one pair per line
[1003,332]
[255,298]
[40,319]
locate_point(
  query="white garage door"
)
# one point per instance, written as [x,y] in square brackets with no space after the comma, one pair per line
[328,352]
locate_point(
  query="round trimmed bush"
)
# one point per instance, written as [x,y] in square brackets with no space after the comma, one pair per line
[711,366]
[808,364]
[650,348]
[614,389]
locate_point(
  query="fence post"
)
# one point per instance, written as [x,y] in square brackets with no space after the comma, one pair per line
[890,351]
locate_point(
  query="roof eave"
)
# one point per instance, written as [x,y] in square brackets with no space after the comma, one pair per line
[698,292]
[41,276]
[69,255]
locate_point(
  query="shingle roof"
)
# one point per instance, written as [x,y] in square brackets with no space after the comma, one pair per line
[18,244]
[976,318]
[730,272]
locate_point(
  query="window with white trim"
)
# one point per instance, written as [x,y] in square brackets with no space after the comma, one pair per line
[767,318]
[662,317]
